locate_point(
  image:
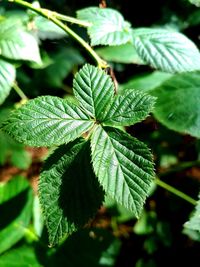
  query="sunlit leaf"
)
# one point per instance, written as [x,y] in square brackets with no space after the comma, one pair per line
[123,166]
[166,50]
[178,103]
[108,26]
[194,222]
[94,89]
[17,44]
[47,121]
[7,77]
[128,109]
[124,53]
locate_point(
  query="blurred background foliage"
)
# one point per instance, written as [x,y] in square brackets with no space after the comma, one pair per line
[114,238]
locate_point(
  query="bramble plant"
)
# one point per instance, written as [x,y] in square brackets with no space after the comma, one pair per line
[93,156]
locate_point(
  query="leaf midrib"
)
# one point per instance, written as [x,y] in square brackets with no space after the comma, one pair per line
[119,166]
[58,119]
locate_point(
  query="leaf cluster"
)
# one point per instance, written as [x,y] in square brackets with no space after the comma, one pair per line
[69,190]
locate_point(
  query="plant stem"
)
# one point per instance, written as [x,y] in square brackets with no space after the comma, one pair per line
[101,63]
[19,91]
[52,16]
[52,13]
[72,20]
[175,191]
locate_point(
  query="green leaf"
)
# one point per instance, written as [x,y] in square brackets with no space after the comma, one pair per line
[94,90]
[123,166]
[7,77]
[17,18]
[10,150]
[47,29]
[17,44]
[47,121]
[166,50]
[108,27]
[11,189]
[124,53]
[178,103]
[38,222]
[13,151]
[195,2]
[20,257]
[146,224]
[128,109]
[13,224]
[192,234]
[146,82]
[69,191]
[194,222]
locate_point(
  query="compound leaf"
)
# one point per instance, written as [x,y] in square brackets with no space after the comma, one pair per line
[47,121]
[178,103]
[129,108]
[108,27]
[70,193]
[94,89]
[166,50]
[7,77]
[123,166]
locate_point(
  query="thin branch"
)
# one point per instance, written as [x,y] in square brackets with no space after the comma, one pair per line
[52,17]
[71,20]
[175,191]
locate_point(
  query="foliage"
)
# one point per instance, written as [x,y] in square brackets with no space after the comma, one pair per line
[193,223]
[195,2]
[14,224]
[87,121]
[7,76]
[166,50]
[48,120]
[183,90]
[108,27]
